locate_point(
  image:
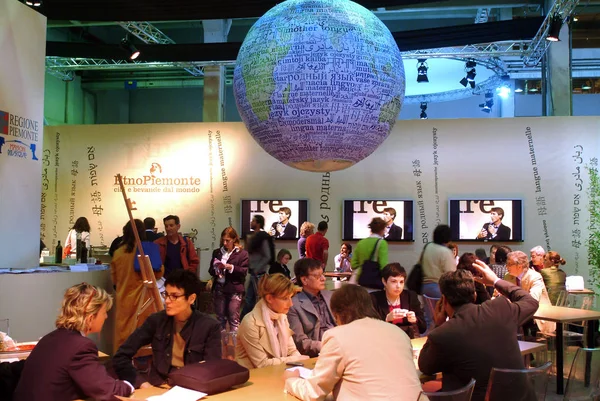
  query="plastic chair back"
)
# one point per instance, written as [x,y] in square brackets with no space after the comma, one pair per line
[584,377]
[518,384]
[430,305]
[462,394]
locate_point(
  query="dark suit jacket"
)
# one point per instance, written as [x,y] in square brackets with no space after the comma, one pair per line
[152,236]
[234,281]
[279,268]
[503,233]
[64,366]
[289,232]
[408,300]
[477,338]
[305,323]
[395,233]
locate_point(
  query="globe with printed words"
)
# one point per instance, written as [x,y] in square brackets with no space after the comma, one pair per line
[319,83]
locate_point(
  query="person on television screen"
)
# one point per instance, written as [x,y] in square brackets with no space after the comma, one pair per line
[495,230]
[392,231]
[283,228]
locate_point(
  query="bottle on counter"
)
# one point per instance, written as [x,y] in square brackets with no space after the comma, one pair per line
[84,253]
[58,254]
[78,247]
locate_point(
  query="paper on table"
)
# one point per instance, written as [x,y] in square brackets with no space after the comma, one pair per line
[305,373]
[178,394]
[9,360]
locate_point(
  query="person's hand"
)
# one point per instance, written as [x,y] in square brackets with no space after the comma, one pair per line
[492,229]
[299,358]
[279,228]
[229,267]
[439,314]
[290,373]
[485,275]
[271,231]
[482,234]
[411,317]
[145,385]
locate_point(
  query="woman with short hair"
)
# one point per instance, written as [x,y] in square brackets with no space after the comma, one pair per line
[264,337]
[306,229]
[64,364]
[280,266]
[363,358]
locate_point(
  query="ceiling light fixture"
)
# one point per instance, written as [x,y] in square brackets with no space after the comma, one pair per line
[489,102]
[469,79]
[555,26]
[504,90]
[422,68]
[33,3]
[423,115]
[130,48]
[587,86]
[519,86]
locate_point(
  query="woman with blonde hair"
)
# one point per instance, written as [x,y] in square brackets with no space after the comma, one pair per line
[554,277]
[306,229]
[264,337]
[64,364]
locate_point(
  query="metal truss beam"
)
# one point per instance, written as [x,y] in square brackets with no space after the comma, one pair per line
[65,64]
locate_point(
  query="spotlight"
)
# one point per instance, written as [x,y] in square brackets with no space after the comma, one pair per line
[518,86]
[423,115]
[422,68]
[130,48]
[586,86]
[555,26]
[33,3]
[469,79]
[504,90]
[489,102]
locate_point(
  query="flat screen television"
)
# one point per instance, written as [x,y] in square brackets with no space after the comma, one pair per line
[489,219]
[283,218]
[359,213]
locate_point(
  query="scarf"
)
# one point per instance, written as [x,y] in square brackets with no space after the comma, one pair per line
[277,329]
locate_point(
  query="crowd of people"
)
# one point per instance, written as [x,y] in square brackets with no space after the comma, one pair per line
[286,315]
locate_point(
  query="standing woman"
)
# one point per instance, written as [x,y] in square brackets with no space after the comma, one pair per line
[128,284]
[64,364]
[82,227]
[229,267]
[265,337]
[306,229]
[554,277]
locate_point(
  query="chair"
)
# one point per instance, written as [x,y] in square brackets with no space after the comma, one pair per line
[518,384]
[462,394]
[584,376]
[430,305]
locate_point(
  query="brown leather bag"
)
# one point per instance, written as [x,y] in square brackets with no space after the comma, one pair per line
[210,377]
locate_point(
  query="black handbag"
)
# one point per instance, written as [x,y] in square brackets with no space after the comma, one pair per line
[414,281]
[370,275]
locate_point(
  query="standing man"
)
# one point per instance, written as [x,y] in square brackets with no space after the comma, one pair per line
[495,230]
[283,228]
[475,338]
[310,315]
[531,281]
[317,246]
[151,234]
[176,251]
[537,254]
[261,255]
[392,231]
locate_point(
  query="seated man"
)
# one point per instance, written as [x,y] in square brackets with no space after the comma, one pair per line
[396,304]
[179,335]
[310,315]
[531,281]
[476,337]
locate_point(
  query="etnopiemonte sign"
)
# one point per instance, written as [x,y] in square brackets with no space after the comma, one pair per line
[156,183]
[24,130]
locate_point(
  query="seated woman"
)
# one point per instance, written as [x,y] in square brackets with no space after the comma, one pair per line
[343,261]
[264,337]
[363,358]
[179,335]
[466,262]
[128,284]
[398,305]
[64,364]
[283,258]
[554,277]
[229,267]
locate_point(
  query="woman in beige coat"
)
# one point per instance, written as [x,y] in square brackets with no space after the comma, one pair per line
[264,337]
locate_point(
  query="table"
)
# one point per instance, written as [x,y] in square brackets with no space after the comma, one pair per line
[265,384]
[24,354]
[562,315]
[581,292]
[526,347]
[337,274]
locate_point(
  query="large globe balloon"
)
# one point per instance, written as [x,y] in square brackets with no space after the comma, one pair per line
[319,83]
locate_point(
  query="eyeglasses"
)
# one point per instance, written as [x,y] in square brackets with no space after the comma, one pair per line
[172,297]
[317,275]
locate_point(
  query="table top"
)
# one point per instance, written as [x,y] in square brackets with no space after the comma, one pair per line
[265,384]
[10,355]
[561,314]
[337,274]
[585,291]
[526,347]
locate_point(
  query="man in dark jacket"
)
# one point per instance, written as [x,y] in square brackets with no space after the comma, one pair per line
[476,337]
[179,335]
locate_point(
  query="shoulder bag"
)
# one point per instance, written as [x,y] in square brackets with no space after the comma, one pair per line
[370,275]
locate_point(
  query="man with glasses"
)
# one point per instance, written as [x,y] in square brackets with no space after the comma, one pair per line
[179,335]
[310,315]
